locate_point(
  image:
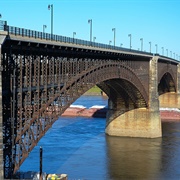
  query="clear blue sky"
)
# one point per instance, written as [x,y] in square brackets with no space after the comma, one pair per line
[157,21]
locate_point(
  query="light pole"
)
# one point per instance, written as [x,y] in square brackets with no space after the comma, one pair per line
[174,55]
[90,22]
[44,27]
[167,52]
[94,39]
[156,48]
[150,47]
[114,29]
[74,33]
[50,7]
[163,51]
[129,35]
[171,53]
[110,42]
[121,45]
[141,44]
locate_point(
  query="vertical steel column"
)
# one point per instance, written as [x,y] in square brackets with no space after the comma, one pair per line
[2,37]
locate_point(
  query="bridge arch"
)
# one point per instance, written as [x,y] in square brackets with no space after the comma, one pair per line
[112,74]
[166,83]
[167,90]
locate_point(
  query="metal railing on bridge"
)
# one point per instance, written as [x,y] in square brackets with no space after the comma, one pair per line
[41,35]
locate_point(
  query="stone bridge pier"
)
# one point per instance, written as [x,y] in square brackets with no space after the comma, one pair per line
[127,120]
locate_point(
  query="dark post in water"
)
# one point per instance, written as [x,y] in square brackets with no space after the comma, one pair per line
[40,173]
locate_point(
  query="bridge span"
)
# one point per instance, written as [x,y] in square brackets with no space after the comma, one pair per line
[41,75]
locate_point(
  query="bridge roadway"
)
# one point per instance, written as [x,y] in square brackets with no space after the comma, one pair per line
[42,75]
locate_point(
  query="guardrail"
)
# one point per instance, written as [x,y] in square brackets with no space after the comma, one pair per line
[40,35]
[36,34]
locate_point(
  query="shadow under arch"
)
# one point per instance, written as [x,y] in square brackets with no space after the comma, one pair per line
[168,97]
[123,97]
[166,84]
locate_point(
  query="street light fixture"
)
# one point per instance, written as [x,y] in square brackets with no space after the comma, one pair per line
[50,7]
[167,52]
[171,53]
[121,45]
[150,47]
[94,39]
[114,29]
[141,44]
[130,36]
[163,51]
[44,27]
[90,22]
[156,48]
[110,42]
[74,33]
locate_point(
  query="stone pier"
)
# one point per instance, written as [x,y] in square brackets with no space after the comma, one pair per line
[141,122]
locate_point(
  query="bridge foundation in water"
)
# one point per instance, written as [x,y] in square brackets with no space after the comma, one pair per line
[170,100]
[137,122]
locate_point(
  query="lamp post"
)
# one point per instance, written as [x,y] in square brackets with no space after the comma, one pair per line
[90,22]
[141,44]
[110,42]
[50,7]
[171,54]
[114,29]
[74,33]
[94,38]
[156,48]
[130,36]
[150,47]
[167,52]
[163,51]
[44,27]
[121,45]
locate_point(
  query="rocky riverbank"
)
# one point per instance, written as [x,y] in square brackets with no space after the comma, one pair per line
[167,114]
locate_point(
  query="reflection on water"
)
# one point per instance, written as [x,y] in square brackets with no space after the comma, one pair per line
[78,146]
[133,157]
[138,158]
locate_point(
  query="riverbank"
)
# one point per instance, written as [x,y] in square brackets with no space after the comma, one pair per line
[167,114]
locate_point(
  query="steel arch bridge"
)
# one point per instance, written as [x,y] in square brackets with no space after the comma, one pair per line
[42,75]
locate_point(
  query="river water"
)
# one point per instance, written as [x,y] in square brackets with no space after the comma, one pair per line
[79,147]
